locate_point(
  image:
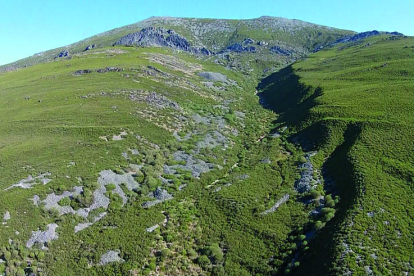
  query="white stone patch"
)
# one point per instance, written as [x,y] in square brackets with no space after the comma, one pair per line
[152,228]
[278,203]
[42,237]
[110,257]
[31,181]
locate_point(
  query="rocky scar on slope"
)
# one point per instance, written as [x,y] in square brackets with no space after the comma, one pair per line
[160,37]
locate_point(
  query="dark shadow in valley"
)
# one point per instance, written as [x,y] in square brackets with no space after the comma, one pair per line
[340,179]
[283,93]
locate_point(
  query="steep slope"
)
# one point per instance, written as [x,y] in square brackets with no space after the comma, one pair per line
[266,35]
[134,160]
[146,150]
[354,104]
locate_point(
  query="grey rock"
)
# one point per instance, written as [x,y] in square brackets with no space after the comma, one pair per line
[280,51]
[90,47]
[109,69]
[350,38]
[243,176]
[213,76]
[160,37]
[82,72]
[6,216]
[152,228]
[64,53]
[196,166]
[239,48]
[266,161]
[42,237]
[155,99]
[31,181]
[110,257]
[278,203]
[160,195]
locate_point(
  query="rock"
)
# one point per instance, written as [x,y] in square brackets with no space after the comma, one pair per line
[213,76]
[196,166]
[152,228]
[161,194]
[160,37]
[306,180]
[155,99]
[31,181]
[42,237]
[81,72]
[243,176]
[109,69]
[64,53]
[247,41]
[278,203]
[90,47]
[275,135]
[352,38]
[6,216]
[266,161]
[110,257]
[395,33]
[280,51]
[239,48]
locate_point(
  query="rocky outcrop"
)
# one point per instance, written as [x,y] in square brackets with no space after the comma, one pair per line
[395,33]
[64,53]
[356,37]
[43,237]
[90,47]
[160,37]
[239,48]
[278,203]
[160,196]
[280,51]
[353,38]
[109,69]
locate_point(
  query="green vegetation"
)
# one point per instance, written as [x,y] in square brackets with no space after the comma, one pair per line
[71,126]
[136,165]
[354,105]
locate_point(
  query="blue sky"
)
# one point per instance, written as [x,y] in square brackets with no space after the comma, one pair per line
[31,26]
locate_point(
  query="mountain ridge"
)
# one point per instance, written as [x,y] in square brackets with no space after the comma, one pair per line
[194,29]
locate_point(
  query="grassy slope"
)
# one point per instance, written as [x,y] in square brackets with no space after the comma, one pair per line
[46,123]
[354,103]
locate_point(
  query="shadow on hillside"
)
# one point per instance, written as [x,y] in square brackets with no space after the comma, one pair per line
[324,247]
[283,93]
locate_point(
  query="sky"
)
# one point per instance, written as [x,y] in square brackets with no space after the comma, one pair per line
[31,26]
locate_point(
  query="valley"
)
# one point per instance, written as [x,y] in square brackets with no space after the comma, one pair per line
[209,147]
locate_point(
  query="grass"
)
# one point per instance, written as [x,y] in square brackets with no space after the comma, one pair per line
[52,121]
[354,105]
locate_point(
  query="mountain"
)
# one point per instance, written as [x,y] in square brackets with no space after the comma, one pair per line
[215,35]
[179,146]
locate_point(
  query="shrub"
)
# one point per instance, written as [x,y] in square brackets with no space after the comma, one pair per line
[203,261]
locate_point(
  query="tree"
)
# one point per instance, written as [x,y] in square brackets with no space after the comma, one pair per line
[319,225]
[203,261]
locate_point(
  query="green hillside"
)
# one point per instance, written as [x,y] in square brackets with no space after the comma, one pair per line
[133,160]
[354,104]
[215,34]
[95,114]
